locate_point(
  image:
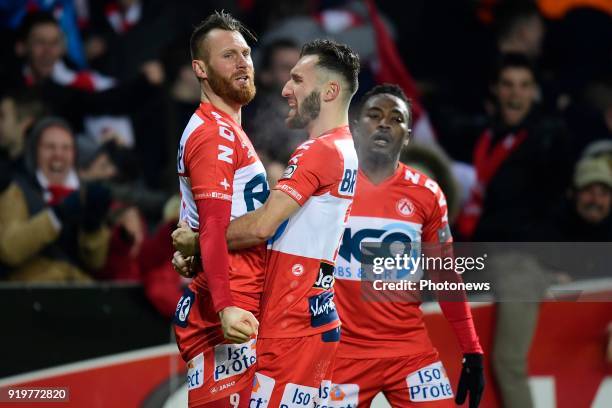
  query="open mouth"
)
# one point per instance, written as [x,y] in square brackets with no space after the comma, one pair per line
[381,139]
[242,79]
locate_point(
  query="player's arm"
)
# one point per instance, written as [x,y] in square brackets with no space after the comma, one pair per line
[214,210]
[456,309]
[260,225]
[249,230]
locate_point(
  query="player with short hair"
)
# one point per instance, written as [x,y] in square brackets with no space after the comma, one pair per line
[304,218]
[221,178]
[385,346]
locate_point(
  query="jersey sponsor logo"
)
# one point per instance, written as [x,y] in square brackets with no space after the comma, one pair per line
[233,359]
[405,207]
[297,270]
[337,395]
[347,186]
[183,307]
[351,242]
[256,190]
[325,279]
[429,384]
[289,171]
[298,396]
[262,391]
[195,372]
[322,309]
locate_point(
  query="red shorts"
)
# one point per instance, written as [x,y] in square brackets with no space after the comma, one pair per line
[215,369]
[294,372]
[418,382]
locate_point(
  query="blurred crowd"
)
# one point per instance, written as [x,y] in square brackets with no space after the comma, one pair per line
[512,114]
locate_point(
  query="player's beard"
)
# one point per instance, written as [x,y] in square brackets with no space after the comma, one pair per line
[306,112]
[226,89]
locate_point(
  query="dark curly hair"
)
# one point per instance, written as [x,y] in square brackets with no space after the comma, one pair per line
[335,57]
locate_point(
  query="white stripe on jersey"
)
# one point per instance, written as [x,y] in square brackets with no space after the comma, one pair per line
[189,211]
[250,189]
[194,122]
[349,158]
[309,232]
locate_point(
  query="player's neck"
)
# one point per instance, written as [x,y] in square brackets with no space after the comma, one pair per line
[328,119]
[377,170]
[233,110]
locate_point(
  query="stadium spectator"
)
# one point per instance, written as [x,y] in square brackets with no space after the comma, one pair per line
[18,111]
[52,227]
[88,99]
[114,165]
[586,216]
[513,190]
[128,229]
[120,35]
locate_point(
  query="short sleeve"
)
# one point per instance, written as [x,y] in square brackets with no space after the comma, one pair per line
[312,169]
[210,161]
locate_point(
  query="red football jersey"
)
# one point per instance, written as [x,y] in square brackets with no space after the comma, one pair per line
[216,160]
[298,298]
[407,207]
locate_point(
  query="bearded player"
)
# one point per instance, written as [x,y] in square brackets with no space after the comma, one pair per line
[304,218]
[385,346]
[221,178]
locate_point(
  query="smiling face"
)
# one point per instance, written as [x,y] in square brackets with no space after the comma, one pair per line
[516,93]
[227,66]
[383,128]
[302,93]
[55,154]
[44,47]
[593,202]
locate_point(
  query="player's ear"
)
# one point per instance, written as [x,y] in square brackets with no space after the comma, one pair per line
[332,91]
[408,137]
[199,69]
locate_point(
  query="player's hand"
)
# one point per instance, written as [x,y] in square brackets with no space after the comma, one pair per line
[238,325]
[185,240]
[183,266]
[471,381]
